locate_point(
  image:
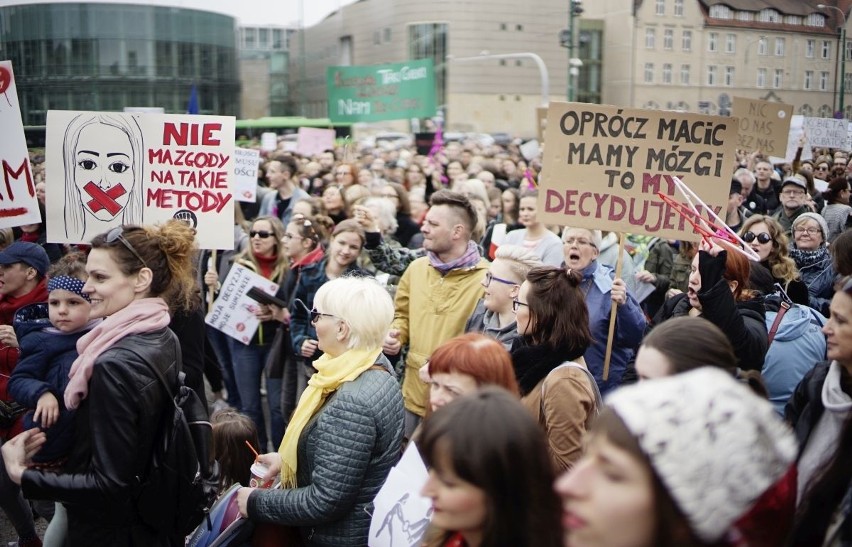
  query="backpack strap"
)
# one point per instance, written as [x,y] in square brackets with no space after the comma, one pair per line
[591,378]
[782,310]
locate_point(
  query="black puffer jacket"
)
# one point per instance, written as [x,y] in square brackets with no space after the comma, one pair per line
[116,427]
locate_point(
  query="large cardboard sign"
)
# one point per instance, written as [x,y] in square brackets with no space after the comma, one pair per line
[381,92]
[18,203]
[246,161]
[312,141]
[762,125]
[826,132]
[604,165]
[105,169]
[233,311]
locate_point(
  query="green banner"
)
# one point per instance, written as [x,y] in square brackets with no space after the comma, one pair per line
[381,92]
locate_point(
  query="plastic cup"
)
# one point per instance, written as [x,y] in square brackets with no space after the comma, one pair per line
[258,470]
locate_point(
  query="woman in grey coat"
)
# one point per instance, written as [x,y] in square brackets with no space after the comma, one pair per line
[346,432]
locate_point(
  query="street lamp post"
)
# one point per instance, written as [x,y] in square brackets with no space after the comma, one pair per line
[542,68]
[841,55]
[575,9]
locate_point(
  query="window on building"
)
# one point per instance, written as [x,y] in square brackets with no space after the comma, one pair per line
[277,39]
[668,39]
[250,37]
[711,75]
[678,8]
[429,41]
[778,78]
[686,40]
[649,73]
[810,48]
[650,38]
[730,43]
[815,20]
[660,8]
[667,73]
[769,16]
[744,16]
[794,20]
[824,111]
[387,34]
[779,47]
[823,81]
[825,52]
[684,74]
[713,41]
[729,76]
[847,81]
[761,77]
[377,38]
[762,46]
[809,80]
[848,50]
[721,11]
[503,26]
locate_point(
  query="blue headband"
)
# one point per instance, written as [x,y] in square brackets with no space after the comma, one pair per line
[67,283]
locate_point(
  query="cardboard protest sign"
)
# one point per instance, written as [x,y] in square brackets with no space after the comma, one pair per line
[312,141]
[233,311]
[541,122]
[826,132]
[794,137]
[400,514]
[375,93]
[603,167]
[762,125]
[18,203]
[245,174]
[105,169]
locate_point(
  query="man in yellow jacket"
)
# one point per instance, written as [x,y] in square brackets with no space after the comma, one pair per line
[437,293]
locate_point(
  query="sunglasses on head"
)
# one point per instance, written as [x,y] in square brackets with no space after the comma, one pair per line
[117,234]
[762,237]
[262,234]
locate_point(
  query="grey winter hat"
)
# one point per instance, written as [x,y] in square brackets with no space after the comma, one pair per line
[823,225]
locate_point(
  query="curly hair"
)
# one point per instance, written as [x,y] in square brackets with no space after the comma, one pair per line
[779,261]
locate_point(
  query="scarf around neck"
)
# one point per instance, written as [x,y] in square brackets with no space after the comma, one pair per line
[331,373]
[469,259]
[533,363]
[807,259]
[140,316]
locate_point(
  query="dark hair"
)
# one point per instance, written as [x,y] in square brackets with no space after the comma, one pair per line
[692,342]
[287,161]
[809,180]
[491,441]
[559,317]
[672,528]
[459,203]
[402,195]
[835,186]
[231,431]
[71,265]
[841,250]
[167,250]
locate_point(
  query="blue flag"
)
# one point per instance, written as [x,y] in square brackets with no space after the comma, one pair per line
[192,105]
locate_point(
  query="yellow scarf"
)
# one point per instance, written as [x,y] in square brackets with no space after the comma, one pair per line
[331,373]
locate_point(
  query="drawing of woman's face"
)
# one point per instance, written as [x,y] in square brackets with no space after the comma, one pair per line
[103,170]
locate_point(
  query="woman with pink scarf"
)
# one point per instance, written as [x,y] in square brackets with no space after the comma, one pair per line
[133,272]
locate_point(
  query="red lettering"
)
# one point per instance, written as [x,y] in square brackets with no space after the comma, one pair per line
[188,134]
[171,133]
[10,174]
[207,135]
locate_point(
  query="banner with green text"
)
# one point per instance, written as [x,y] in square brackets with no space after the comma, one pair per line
[381,92]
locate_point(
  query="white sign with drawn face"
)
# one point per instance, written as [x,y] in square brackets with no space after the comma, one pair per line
[18,203]
[106,169]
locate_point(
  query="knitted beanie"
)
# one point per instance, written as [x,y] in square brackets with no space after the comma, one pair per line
[823,225]
[714,444]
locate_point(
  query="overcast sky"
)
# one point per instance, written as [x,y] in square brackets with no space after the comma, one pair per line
[248,12]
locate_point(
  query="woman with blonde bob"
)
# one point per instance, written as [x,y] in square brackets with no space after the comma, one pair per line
[766,237]
[346,432]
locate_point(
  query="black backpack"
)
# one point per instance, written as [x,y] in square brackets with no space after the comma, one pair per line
[182,482]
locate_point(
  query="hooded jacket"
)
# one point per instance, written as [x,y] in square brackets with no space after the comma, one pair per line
[485,321]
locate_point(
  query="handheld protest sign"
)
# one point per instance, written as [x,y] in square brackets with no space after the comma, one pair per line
[603,167]
[762,125]
[18,203]
[613,310]
[246,162]
[106,169]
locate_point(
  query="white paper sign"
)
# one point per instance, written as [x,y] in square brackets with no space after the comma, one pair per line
[245,174]
[312,141]
[233,311]
[796,131]
[826,132]
[18,203]
[530,149]
[268,142]
[106,169]
[401,515]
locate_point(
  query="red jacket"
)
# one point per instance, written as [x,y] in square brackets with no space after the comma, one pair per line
[9,356]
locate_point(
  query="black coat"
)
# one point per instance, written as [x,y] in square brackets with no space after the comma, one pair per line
[117,425]
[805,408]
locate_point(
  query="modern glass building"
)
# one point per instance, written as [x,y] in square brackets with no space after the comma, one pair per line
[99,56]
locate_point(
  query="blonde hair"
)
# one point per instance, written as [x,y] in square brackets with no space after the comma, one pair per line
[519,259]
[363,304]
[780,264]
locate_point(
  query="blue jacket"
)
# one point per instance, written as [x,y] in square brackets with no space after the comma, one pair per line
[798,345]
[46,358]
[629,326]
[312,278]
[819,277]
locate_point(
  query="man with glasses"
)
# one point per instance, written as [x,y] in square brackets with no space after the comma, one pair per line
[280,174]
[794,196]
[766,187]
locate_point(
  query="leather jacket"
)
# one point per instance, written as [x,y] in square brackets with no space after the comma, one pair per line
[117,425]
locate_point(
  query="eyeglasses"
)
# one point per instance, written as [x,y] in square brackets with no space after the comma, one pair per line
[489,278]
[822,168]
[117,234]
[809,231]
[762,237]
[793,193]
[578,241]
[516,305]
[262,234]
[315,316]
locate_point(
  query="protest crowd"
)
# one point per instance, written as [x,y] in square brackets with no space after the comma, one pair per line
[562,385]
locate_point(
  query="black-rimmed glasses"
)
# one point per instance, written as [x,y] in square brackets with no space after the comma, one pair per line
[489,278]
[117,234]
[315,316]
[262,234]
[762,237]
[516,305]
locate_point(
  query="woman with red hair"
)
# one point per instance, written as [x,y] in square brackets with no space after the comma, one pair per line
[465,363]
[718,292]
